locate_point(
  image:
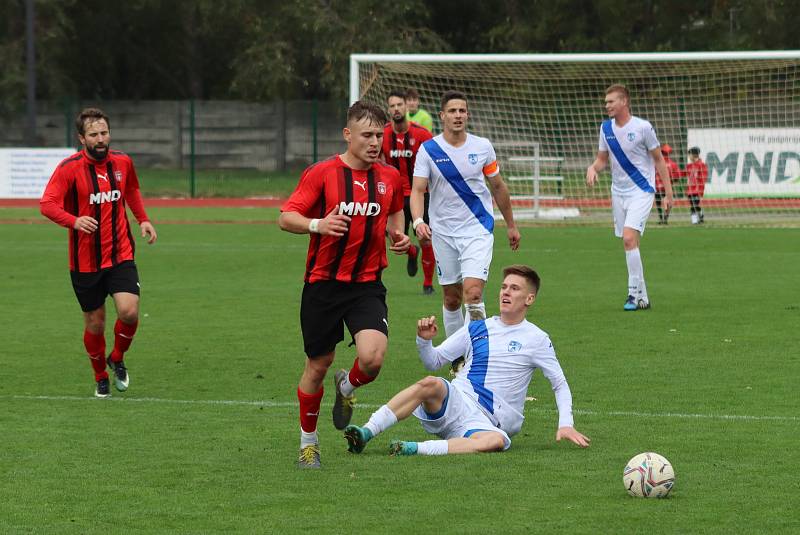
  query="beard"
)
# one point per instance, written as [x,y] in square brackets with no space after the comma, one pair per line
[398,118]
[98,153]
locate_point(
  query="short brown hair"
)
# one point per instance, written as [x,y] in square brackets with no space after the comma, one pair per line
[452,95]
[95,114]
[397,93]
[619,88]
[364,110]
[412,93]
[526,272]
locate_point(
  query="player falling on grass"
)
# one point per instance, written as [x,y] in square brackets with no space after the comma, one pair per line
[87,194]
[635,159]
[483,406]
[401,141]
[455,166]
[346,203]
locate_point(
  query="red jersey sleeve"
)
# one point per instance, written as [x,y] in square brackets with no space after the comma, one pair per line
[133,196]
[51,205]
[306,195]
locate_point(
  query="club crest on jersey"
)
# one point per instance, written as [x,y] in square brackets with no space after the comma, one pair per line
[514,346]
[473,158]
[381,188]
[412,141]
[118,175]
[631,136]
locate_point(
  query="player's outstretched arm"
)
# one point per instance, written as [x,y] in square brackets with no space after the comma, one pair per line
[597,167]
[571,434]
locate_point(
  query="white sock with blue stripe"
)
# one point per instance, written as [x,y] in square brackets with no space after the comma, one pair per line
[381,420]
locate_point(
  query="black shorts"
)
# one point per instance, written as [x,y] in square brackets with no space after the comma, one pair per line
[407,211]
[327,306]
[91,289]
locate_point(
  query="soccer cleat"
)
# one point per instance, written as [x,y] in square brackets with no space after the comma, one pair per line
[357,438]
[343,406]
[411,266]
[400,447]
[102,389]
[309,457]
[630,303]
[121,379]
[427,290]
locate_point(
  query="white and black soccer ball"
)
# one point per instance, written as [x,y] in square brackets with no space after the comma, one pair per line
[648,475]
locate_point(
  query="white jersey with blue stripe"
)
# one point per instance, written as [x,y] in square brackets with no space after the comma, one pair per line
[636,139]
[499,363]
[460,201]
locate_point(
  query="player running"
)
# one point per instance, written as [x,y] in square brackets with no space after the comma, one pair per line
[401,141]
[87,194]
[346,203]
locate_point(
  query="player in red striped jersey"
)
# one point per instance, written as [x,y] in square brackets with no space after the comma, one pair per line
[87,194]
[346,203]
[401,141]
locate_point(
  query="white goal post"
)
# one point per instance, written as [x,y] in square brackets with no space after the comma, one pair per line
[543,114]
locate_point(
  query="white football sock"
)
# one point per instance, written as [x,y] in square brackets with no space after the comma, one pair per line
[635,272]
[346,387]
[474,311]
[453,320]
[432,447]
[381,420]
[307,439]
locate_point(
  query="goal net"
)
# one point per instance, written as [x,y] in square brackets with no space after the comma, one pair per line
[543,115]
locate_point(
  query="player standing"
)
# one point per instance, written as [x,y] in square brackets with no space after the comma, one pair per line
[346,203]
[87,194]
[455,166]
[636,157]
[696,176]
[401,141]
[483,406]
[415,113]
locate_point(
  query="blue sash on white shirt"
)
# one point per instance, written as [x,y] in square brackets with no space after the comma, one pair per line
[632,171]
[454,178]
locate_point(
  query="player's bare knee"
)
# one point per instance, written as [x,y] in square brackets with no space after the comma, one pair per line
[473,294]
[128,315]
[370,361]
[491,442]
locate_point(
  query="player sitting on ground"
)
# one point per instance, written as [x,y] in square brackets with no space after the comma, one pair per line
[483,406]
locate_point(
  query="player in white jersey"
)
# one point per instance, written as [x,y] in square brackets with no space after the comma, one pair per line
[635,157]
[454,167]
[483,406]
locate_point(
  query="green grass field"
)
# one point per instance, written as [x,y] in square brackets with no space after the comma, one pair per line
[206,438]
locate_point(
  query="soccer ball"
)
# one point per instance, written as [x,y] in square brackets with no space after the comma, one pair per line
[648,475]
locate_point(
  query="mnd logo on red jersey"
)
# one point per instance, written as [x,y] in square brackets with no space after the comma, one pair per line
[359,208]
[104,196]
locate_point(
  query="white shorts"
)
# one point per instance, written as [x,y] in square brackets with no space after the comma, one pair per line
[459,417]
[458,258]
[631,210]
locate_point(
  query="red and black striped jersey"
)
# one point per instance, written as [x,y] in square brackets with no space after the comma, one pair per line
[400,150]
[368,197]
[81,186]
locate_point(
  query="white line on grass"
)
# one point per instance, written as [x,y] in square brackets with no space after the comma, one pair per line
[282,404]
